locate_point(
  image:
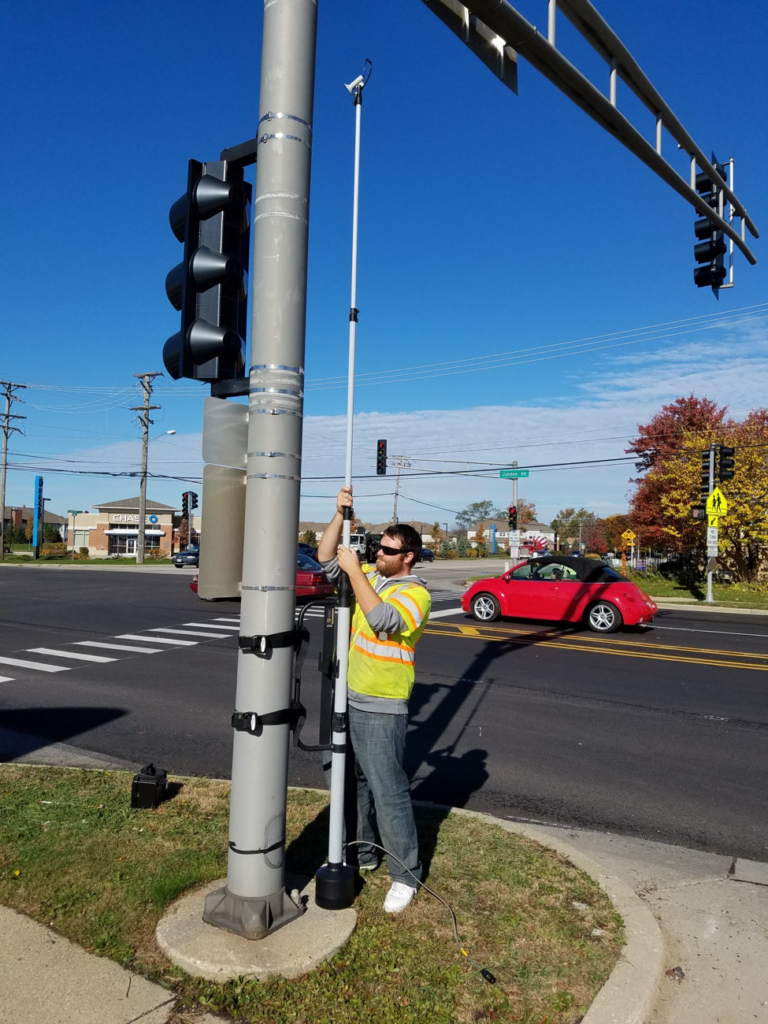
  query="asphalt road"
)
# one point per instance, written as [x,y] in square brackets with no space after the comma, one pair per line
[661,734]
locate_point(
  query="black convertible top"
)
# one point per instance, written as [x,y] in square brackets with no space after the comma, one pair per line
[588,570]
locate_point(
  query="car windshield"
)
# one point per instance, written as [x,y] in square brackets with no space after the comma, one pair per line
[307,563]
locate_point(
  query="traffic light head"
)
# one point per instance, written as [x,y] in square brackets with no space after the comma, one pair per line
[512,512]
[209,286]
[711,248]
[381,458]
[704,491]
[193,502]
[185,505]
[727,463]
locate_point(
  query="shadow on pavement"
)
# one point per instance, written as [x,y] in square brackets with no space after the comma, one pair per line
[24,730]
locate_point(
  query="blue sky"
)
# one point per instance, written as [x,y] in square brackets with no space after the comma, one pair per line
[489,224]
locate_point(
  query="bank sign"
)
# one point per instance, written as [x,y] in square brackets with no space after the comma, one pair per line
[124,518]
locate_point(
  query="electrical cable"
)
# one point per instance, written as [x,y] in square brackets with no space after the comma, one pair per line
[490,978]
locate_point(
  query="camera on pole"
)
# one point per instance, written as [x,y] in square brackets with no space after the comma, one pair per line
[727,463]
[381,458]
[210,286]
[711,248]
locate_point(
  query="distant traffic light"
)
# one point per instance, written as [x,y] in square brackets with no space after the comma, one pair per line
[381,458]
[185,505]
[193,502]
[711,248]
[727,463]
[705,478]
[512,510]
[209,286]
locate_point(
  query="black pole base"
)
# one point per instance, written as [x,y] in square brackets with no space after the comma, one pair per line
[335,887]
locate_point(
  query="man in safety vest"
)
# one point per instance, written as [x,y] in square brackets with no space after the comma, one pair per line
[390,612]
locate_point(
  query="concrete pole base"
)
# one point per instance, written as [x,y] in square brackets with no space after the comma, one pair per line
[218,954]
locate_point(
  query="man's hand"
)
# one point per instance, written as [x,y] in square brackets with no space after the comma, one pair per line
[348,561]
[365,595]
[344,500]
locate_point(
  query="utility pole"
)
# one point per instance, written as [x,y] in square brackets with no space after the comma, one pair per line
[143,418]
[254,902]
[402,463]
[9,389]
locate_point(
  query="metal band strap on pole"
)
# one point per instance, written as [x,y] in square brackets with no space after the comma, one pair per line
[334,888]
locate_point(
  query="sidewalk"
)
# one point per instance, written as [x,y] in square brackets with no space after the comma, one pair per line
[696,953]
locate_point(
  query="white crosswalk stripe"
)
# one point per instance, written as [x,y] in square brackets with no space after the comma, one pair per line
[41,666]
[6,679]
[187,632]
[69,654]
[235,619]
[119,647]
[211,625]
[157,639]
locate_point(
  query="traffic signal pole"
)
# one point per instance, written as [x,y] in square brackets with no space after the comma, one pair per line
[710,599]
[254,901]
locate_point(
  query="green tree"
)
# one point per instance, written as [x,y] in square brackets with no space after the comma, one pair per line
[470,516]
[51,534]
[568,522]
[461,547]
[30,530]
[309,537]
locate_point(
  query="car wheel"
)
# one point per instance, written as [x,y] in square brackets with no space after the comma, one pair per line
[604,617]
[485,608]
[177,565]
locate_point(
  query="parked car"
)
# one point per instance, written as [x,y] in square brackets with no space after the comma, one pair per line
[311,581]
[307,549]
[427,555]
[191,556]
[561,588]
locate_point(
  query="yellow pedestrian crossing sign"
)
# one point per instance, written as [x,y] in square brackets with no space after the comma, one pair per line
[712,521]
[716,503]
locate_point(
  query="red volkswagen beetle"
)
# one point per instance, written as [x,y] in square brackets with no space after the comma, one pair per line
[562,588]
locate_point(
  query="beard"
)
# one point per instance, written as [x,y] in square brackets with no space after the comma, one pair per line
[385,568]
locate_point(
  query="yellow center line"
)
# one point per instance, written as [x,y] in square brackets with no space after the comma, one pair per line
[581,639]
[650,656]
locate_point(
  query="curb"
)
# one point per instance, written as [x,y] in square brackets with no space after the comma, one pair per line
[699,606]
[629,994]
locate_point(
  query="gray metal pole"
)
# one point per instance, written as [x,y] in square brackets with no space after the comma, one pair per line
[710,598]
[254,902]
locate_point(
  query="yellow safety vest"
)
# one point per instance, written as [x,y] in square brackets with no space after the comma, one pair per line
[382,664]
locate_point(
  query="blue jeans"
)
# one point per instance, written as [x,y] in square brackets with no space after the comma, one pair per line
[384,806]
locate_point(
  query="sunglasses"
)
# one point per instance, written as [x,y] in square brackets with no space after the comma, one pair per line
[391,551]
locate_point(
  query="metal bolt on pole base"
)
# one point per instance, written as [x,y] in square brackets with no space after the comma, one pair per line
[253,917]
[335,887]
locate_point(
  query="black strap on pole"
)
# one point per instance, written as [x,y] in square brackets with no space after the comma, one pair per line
[261,644]
[345,587]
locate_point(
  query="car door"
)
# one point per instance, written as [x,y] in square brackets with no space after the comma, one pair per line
[525,592]
[567,593]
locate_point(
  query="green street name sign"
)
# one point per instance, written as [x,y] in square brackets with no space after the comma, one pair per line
[514,474]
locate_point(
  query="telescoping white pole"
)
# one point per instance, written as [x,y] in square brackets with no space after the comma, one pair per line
[334,885]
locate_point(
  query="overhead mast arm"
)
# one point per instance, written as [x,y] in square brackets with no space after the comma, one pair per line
[515,32]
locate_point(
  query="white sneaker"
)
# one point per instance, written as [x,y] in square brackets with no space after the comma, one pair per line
[398,898]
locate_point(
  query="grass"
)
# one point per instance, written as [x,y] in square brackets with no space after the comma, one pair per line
[75,856]
[734,595]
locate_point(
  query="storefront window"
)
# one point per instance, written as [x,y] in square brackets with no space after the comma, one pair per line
[119,545]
